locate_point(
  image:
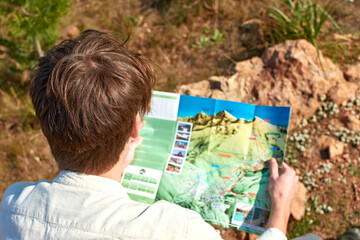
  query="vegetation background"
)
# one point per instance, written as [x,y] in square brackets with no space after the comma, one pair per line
[188,40]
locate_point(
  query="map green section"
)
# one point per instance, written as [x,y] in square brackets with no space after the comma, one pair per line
[164,96]
[225,172]
[141,199]
[226,165]
[158,137]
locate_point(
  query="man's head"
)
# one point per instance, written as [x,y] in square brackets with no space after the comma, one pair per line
[86,93]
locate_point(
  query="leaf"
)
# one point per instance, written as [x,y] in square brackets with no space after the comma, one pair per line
[278,15]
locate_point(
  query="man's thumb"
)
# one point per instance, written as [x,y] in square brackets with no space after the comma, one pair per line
[274,168]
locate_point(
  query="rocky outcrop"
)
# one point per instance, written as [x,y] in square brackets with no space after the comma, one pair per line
[70,32]
[352,72]
[335,150]
[288,74]
[297,207]
[352,122]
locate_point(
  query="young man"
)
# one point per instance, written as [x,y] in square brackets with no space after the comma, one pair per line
[89,94]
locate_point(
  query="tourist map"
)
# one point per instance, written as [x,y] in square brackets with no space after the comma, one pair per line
[210,156]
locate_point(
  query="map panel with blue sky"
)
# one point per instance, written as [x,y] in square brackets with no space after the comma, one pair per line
[279,116]
[239,110]
[190,106]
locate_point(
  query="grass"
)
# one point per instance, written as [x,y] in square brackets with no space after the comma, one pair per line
[213,37]
[343,51]
[191,40]
[305,19]
[306,225]
[25,154]
[188,42]
[300,20]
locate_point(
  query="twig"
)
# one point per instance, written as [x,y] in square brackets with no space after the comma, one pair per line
[216,9]
[26,13]
[207,6]
[192,4]
[38,48]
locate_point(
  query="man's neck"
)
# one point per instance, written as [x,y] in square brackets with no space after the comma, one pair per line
[114,173]
[117,170]
[127,154]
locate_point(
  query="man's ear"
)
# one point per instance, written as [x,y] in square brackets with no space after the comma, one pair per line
[136,127]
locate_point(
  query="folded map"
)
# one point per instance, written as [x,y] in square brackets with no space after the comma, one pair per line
[210,156]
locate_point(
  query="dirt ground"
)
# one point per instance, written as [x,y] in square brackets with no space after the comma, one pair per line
[173,37]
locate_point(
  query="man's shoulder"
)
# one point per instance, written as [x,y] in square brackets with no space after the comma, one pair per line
[171,210]
[17,192]
[102,212]
[173,221]
[169,205]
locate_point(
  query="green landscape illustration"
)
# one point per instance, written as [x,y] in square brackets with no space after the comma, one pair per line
[226,166]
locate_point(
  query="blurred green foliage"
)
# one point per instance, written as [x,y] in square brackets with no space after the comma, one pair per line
[343,51]
[214,37]
[28,27]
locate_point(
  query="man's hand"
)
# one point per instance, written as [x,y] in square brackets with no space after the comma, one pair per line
[281,189]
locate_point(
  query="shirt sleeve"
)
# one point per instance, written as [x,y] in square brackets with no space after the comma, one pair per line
[199,229]
[272,234]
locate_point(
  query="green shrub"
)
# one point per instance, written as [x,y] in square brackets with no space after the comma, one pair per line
[301,20]
[28,27]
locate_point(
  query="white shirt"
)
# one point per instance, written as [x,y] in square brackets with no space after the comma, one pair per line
[79,206]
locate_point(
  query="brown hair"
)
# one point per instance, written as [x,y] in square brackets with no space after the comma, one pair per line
[86,93]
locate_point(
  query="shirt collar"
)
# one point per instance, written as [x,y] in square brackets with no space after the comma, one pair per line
[92,182]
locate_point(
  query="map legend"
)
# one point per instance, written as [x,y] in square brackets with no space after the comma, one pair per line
[141,183]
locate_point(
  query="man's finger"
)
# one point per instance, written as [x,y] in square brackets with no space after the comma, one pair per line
[285,168]
[274,171]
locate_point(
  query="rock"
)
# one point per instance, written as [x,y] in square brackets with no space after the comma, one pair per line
[336,149]
[253,236]
[325,141]
[352,73]
[343,91]
[197,89]
[230,233]
[297,207]
[251,35]
[323,145]
[249,28]
[343,37]
[352,123]
[70,32]
[287,74]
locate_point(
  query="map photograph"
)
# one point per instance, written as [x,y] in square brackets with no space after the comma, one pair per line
[181,144]
[182,136]
[243,214]
[177,161]
[226,162]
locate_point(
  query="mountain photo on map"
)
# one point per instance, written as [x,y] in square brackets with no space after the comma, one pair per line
[226,162]
[181,144]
